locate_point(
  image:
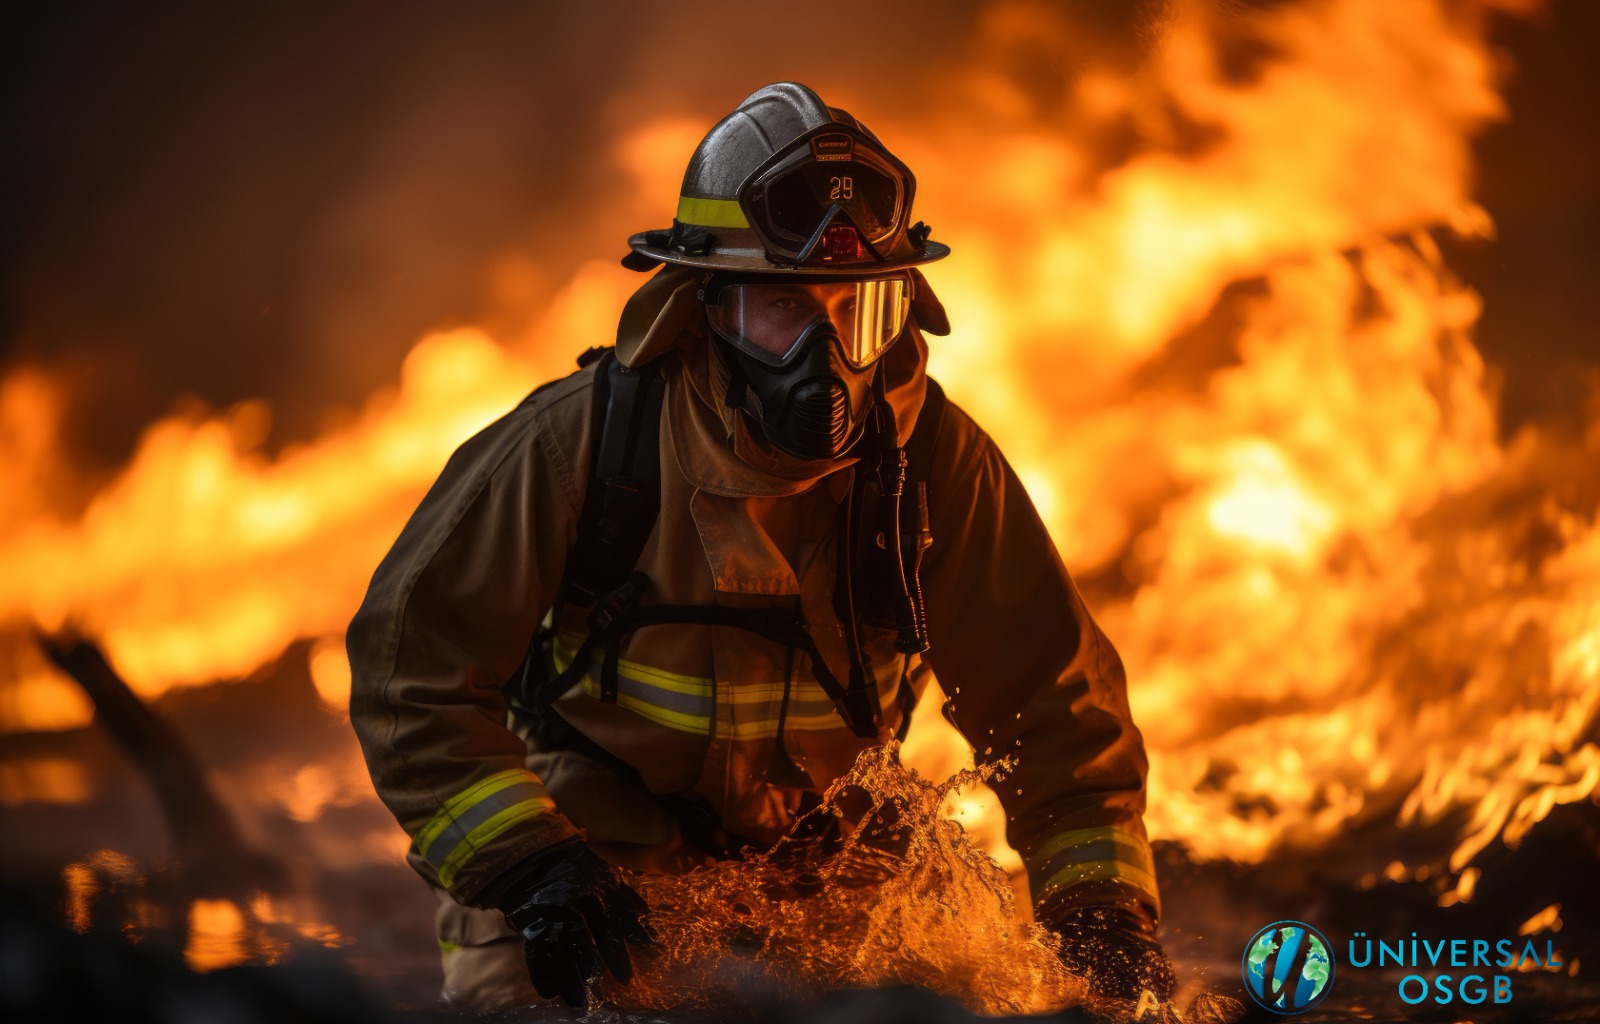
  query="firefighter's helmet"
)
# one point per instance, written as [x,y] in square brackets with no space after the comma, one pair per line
[788,184]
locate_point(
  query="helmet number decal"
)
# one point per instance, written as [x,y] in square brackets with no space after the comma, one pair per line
[844,187]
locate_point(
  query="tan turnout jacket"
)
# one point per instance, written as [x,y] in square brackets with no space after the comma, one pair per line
[451,610]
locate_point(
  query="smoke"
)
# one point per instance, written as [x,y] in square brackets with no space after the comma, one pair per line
[277,201]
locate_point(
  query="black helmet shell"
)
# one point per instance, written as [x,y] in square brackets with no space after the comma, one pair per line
[725,183]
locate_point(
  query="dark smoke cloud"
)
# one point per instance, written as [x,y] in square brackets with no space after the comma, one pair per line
[278,199]
[1540,179]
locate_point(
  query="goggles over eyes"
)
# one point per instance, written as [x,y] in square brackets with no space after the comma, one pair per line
[772,319]
[833,195]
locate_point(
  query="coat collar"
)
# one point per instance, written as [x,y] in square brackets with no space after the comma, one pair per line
[714,445]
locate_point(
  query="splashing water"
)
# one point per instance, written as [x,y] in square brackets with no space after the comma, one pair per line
[874,887]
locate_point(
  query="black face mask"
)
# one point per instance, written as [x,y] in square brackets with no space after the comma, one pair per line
[813,407]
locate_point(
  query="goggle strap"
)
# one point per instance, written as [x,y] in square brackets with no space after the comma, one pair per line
[816,236]
[835,212]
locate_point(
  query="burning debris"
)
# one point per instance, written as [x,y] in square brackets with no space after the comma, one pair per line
[213,861]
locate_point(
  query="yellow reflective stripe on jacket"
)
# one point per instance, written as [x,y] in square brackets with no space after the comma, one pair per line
[1092,854]
[711,213]
[681,702]
[742,711]
[750,711]
[478,814]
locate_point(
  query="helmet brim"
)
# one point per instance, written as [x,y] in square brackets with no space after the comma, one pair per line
[757,263]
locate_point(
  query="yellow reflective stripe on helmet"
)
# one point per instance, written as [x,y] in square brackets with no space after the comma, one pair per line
[1090,854]
[711,213]
[461,826]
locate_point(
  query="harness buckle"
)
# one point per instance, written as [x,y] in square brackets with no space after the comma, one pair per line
[625,598]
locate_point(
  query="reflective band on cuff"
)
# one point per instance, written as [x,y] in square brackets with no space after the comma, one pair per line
[474,817]
[1093,854]
[711,213]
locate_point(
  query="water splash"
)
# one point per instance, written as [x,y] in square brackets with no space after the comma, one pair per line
[875,887]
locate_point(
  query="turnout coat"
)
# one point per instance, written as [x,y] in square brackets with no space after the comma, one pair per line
[451,610]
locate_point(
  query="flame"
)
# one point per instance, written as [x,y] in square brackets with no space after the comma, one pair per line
[205,559]
[1548,919]
[47,780]
[1230,364]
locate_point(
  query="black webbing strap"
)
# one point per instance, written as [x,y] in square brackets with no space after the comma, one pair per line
[919,446]
[856,704]
[623,498]
[621,502]
[621,505]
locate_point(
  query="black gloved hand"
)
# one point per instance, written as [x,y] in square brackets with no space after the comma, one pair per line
[576,918]
[1113,946]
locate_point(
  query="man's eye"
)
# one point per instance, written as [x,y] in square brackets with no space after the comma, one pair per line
[786,303]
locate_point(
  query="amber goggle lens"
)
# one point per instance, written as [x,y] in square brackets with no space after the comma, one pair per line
[771,321]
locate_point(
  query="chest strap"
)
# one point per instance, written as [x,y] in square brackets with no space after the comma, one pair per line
[619,614]
[620,508]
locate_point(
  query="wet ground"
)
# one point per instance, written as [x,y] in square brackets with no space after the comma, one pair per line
[347,926]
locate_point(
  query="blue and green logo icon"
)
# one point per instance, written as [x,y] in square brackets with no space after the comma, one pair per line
[1288,967]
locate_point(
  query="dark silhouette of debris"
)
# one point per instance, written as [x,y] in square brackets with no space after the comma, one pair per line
[215,862]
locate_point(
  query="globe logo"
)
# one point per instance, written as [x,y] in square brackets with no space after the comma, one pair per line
[1288,967]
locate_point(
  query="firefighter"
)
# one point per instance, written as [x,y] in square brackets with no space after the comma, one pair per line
[647,616]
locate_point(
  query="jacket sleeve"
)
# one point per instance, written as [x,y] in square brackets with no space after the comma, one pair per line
[446,621]
[1031,677]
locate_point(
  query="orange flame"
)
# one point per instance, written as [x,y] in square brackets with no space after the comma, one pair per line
[1273,509]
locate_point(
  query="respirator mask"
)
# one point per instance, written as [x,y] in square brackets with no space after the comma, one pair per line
[803,352]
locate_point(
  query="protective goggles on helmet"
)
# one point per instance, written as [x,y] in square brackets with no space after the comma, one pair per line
[772,318]
[833,195]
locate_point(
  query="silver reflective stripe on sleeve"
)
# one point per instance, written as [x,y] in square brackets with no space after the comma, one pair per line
[475,816]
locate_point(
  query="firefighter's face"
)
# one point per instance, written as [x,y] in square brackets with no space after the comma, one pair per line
[776,315]
[808,351]
[773,320]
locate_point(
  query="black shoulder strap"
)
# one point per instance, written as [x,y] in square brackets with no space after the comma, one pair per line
[620,508]
[623,497]
[621,502]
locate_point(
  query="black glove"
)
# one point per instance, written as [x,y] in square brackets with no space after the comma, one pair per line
[1113,946]
[576,918]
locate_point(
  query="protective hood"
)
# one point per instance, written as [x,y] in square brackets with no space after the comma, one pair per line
[713,444]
